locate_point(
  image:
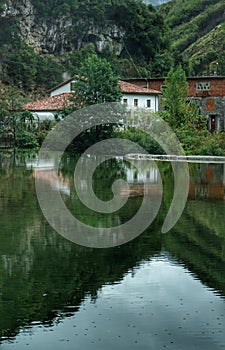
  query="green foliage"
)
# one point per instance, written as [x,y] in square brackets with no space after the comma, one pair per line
[194,135]
[183,11]
[24,68]
[197,32]
[200,141]
[96,82]
[185,118]
[175,97]
[141,138]
[7,26]
[25,140]
[213,145]
[194,28]
[145,31]
[207,53]
[74,61]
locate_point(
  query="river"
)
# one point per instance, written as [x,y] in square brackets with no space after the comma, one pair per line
[157,291]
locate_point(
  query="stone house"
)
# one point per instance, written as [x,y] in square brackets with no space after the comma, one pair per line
[207,91]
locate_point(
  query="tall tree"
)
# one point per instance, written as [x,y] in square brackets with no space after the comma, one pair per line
[175,96]
[96,82]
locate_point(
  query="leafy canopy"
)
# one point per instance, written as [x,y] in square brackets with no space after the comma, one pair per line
[96,82]
[175,96]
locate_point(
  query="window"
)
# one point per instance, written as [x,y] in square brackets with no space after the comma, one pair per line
[148,103]
[135,102]
[72,86]
[125,101]
[203,86]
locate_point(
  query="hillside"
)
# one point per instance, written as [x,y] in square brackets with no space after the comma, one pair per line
[40,40]
[198,31]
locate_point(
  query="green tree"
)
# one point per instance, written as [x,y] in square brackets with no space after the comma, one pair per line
[96,82]
[175,97]
[77,57]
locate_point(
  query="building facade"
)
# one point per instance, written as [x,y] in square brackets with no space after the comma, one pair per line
[133,96]
[207,91]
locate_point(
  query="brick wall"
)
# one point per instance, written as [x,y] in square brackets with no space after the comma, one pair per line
[217,85]
[207,92]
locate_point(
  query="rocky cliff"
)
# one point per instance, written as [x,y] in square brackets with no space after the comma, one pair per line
[41,39]
[59,34]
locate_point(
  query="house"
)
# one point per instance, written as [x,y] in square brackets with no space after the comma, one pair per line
[48,107]
[207,91]
[133,97]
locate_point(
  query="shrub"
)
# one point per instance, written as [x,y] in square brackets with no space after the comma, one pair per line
[26,140]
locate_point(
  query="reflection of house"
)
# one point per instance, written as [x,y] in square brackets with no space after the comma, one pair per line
[133,96]
[56,181]
[207,91]
[139,175]
[143,178]
[209,183]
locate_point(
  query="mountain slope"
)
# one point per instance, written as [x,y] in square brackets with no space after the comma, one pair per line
[41,38]
[198,31]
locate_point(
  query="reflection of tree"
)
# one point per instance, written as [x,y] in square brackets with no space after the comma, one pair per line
[196,243]
[42,272]
[198,239]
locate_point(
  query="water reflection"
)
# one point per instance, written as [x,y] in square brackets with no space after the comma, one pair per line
[158,291]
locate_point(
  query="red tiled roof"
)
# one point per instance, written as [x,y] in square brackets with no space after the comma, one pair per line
[59,101]
[128,88]
[51,103]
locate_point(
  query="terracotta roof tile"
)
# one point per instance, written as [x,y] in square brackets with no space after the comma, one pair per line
[59,101]
[128,88]
[51,103]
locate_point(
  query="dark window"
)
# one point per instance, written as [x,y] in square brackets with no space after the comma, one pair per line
[135,102]
[148,103]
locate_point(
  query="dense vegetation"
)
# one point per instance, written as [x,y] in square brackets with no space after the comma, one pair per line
[190,32]
[144,35]
[198,29]
[186,32]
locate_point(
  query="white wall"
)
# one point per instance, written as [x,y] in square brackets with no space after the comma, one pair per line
[150,175]
[142,101]
[61,89]
[41,116]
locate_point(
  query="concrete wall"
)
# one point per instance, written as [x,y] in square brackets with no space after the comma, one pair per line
[142,101]
[62,89]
